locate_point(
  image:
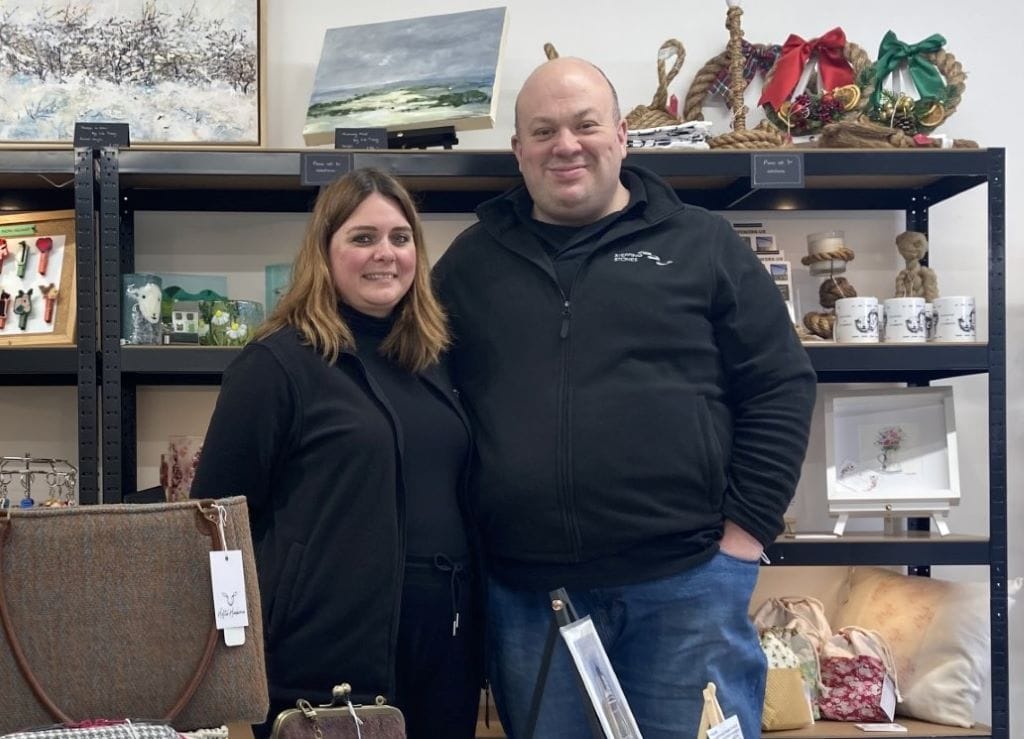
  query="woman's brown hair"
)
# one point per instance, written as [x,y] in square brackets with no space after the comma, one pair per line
[310,305]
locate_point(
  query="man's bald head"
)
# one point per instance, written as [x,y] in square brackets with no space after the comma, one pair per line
[561,66]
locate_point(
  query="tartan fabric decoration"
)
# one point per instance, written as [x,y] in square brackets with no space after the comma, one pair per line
[756,58]
[100,730]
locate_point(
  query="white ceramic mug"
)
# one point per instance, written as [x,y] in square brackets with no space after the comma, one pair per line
[856,321]
[955,319]
[904,321]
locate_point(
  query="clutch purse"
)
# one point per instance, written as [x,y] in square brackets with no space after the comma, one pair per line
[107,613]
[339,719]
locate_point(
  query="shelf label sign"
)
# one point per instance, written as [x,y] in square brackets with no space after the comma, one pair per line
[94,134]
[360,138]
[777,170]
[323,168]
[22,229]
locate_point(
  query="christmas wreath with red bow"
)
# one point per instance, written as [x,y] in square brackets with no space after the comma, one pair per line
[840,65]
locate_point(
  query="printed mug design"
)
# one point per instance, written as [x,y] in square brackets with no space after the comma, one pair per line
[868,326]
[916,325]
[967,325]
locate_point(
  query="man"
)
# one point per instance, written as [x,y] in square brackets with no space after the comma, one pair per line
[642,406]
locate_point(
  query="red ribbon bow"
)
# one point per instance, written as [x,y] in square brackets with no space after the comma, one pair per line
[835,70]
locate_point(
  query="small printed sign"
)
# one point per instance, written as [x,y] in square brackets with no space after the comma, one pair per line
[360,138]
[777,170]
[94,135]
[323,168]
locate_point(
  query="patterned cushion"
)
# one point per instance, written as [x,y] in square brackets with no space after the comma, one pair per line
[939,635]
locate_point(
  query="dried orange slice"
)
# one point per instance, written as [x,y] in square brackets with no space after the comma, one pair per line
[848,96]
[933,116]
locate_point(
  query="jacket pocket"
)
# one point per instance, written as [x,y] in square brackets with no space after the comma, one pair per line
[280,605]
[645,460]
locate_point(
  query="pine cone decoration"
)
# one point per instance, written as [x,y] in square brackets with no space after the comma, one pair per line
[906,123]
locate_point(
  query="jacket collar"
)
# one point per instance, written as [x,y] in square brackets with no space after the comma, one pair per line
[651,201]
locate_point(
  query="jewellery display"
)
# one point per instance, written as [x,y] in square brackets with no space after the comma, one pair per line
[60,476]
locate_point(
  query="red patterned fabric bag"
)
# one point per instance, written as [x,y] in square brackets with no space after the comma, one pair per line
[858,676]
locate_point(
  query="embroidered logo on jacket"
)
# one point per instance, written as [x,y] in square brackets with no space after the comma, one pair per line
[636,256]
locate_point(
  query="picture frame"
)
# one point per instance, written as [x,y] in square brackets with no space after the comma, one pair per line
[409,74]
[891,452]
[765,244]
[178,72]
[30,237]
[599,679]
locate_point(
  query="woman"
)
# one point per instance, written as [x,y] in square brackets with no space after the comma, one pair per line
[339,425]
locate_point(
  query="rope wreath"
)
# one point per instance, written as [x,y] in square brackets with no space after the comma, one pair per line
[709,78]
[739,59]
[862,133]
[804,117]
[936,73]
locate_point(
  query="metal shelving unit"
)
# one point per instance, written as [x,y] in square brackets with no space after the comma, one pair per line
[456,181]
[61,179]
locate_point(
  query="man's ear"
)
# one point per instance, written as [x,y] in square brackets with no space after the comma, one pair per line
[517,149]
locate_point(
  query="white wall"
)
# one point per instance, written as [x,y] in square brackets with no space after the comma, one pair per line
[623,39]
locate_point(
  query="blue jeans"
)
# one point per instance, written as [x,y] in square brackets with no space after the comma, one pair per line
[665,638]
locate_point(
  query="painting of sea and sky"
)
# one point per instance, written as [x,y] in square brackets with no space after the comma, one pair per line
[408,74]
[177,71]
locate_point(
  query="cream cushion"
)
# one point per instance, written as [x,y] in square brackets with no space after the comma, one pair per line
[939,635]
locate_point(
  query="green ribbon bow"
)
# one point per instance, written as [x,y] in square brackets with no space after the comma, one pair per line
[892,52]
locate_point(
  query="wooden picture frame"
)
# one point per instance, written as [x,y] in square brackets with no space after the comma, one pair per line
[179,73]
[29,229]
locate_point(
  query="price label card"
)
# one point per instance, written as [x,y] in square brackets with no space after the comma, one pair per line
[229,605]
[728,729]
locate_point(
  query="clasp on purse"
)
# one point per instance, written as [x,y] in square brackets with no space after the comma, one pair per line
[310,713]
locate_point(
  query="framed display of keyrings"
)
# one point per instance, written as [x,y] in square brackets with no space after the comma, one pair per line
[38,304]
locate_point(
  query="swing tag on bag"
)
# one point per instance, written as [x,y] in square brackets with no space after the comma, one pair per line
[229,605]
[228,581]
[728,729]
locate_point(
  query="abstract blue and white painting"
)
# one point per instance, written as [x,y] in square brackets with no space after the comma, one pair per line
[177,71]
[412,73]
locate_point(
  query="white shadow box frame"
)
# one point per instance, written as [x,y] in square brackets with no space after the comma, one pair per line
[891,453]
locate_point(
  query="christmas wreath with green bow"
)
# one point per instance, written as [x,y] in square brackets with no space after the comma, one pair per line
[937,76]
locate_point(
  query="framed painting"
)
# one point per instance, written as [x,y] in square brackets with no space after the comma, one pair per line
[38,303]
[178,72]
[438,70]
[891,452]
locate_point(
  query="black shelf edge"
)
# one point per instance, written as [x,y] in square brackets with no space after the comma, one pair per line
[896,363]
[158,365]
[877,363]
[39,365]
[37,161]
[857,549]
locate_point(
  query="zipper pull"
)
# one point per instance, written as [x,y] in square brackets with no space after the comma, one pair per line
[764,558]
[565,320]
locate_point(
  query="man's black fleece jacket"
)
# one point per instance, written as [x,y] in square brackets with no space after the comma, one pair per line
[620,423]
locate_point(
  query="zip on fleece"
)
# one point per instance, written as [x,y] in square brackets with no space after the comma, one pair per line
[396,608]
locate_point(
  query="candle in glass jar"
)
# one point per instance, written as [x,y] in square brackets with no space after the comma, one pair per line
[825,241]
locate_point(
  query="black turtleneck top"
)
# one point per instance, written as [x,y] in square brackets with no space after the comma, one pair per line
[434,445]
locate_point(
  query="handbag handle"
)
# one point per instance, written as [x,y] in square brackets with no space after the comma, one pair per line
[207,512]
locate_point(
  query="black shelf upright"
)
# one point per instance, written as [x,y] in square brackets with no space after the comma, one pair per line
[86,342]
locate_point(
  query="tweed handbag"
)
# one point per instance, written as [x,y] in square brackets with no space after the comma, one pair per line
[107,613]
[340,719]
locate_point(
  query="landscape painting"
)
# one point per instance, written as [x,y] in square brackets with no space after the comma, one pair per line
[177,71]
[408,74]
